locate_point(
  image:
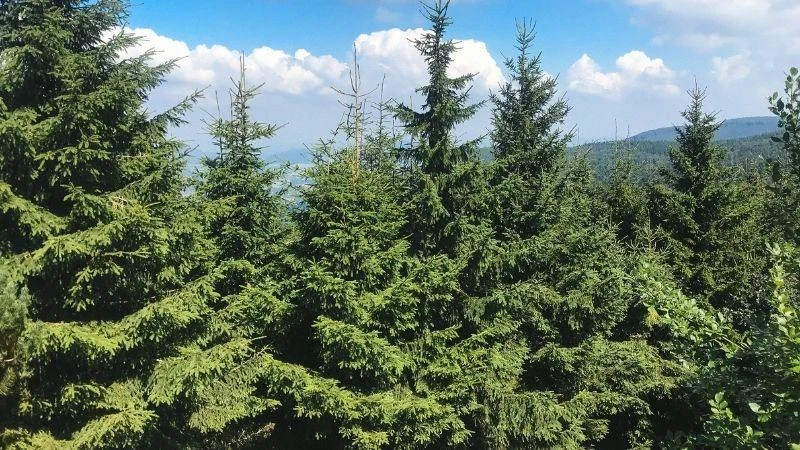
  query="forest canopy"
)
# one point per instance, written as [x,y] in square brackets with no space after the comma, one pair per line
[412,293]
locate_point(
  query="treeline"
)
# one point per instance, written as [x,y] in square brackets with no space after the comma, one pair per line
[415,297]
[648,156]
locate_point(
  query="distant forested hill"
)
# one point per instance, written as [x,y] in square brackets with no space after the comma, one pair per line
[650,153]
[731,129]
[747,138]
[646,153]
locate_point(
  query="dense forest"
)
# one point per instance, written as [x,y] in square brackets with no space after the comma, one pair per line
[410,295]
[649,155]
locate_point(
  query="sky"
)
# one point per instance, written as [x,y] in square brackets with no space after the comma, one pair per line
[623,65]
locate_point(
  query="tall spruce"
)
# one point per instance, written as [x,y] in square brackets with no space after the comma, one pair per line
[447,178]
[248,224]
[528,143]
[708,216]
[217,375]
[108,250]
[565,285]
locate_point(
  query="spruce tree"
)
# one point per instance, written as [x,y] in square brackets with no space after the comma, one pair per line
[708,219]
[564,283]
[448,181]
[527,143]
[248,225]
[367,316]
[109,252]
[216,375]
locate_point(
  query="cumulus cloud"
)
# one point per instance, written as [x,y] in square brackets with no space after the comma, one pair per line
[392,52]
[636,70]
[297,83]
[210,65]
[730,69]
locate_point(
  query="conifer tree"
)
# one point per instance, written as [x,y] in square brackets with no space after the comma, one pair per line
[528,144]
[709,219]
[447,179]
[108,250]
[248,225]
[564,282]
[367,316]
[216,375]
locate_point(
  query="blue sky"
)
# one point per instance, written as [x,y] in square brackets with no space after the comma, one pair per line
[566,29]
[621,63]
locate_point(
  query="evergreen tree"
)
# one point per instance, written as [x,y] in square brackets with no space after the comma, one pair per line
[217,375]
[528,145]
[108,250]
[708,217]
[368,319]
[248,225]
[564,283]
[447,179]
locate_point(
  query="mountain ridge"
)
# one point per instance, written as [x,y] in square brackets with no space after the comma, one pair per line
[737,128]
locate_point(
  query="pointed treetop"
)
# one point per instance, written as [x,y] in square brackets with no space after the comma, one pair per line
[700,126]
[446,99]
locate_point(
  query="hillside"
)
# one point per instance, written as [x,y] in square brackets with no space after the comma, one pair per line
[731,129]
[646,153]
[747,138]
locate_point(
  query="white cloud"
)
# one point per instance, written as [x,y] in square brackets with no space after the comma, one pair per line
[637,64]
[636,71]
[392,52]
[211,65]
[732,68]
[711,24]
[297,84]
[585,76]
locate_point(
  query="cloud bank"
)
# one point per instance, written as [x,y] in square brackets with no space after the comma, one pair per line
[297,84]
